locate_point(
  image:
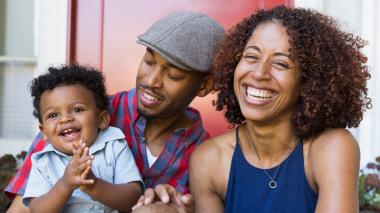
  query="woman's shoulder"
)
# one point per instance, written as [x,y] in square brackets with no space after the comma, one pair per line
[216,147]
[214,157]
[332,165]
[331,153]
[332,141]
[219,143]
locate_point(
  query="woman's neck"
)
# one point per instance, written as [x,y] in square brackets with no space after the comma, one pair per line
[270,142]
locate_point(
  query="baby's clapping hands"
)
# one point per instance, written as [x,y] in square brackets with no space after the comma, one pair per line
[78,173]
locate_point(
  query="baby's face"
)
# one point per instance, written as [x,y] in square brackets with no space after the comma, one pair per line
[69,114]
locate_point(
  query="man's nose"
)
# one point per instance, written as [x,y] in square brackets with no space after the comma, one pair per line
[155,78]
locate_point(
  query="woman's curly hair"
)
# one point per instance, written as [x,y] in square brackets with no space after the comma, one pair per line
[88,77]
[333,78]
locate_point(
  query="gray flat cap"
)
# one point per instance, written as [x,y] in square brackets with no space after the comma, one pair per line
[188,40]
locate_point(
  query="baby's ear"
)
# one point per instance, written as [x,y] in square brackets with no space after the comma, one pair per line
[104,119]
[41,127]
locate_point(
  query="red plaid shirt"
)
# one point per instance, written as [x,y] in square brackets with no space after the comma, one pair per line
[170,167]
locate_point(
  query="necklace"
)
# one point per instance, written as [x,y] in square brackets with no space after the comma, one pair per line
[272,183]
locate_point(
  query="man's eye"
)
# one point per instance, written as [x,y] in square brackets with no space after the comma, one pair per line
[149,62]
[175,77]
[52,115]
[175,74]
[77,109]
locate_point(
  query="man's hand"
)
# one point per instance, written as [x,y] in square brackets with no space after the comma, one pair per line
[165,194]
[78,171]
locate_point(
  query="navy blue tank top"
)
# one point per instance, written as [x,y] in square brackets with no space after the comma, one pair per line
[248,189]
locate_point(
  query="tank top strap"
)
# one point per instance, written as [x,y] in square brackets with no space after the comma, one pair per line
[237,135]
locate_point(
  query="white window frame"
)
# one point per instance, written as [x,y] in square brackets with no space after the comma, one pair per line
[50,50]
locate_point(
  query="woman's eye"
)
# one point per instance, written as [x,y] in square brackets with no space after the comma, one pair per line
[77,110]
[250,57]
[52,115]
[280,65]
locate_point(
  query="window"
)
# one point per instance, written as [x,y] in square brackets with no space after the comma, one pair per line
[17,67]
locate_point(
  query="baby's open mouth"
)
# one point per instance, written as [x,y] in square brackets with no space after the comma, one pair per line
[70,133]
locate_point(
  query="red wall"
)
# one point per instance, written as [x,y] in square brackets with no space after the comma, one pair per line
[103,34]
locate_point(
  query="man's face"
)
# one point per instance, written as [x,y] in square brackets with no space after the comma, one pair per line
[164,90]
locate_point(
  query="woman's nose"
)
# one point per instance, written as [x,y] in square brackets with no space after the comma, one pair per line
[261,71]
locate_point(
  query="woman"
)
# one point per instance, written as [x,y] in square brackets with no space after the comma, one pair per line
[291,81]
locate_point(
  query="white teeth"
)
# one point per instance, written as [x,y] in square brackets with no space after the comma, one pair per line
[67,130]
[258,93]
[149,97]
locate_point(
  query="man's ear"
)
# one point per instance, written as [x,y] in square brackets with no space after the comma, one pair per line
[104,119]
[41,127]
[207,86]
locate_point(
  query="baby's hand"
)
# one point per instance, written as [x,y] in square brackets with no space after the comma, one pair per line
[77,170]
[88,175]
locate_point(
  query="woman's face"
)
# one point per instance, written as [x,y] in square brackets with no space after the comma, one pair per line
[266,80]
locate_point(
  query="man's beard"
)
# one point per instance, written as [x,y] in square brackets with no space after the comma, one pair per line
[159,115]
[145,115]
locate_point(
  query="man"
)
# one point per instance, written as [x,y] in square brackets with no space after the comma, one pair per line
[160,128]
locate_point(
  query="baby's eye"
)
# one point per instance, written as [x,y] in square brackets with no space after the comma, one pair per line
[52,115]
[77,109]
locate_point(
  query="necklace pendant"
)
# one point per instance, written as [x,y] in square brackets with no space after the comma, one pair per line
[272,184]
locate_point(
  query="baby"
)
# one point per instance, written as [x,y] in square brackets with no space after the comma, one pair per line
[87,166]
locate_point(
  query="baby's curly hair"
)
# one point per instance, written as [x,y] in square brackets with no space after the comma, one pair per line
[333,78]
[88,77]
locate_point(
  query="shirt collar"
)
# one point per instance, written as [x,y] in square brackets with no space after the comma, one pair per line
[193,133]
[104,136]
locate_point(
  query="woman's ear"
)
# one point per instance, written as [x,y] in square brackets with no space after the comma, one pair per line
[104,119]
[206,87]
